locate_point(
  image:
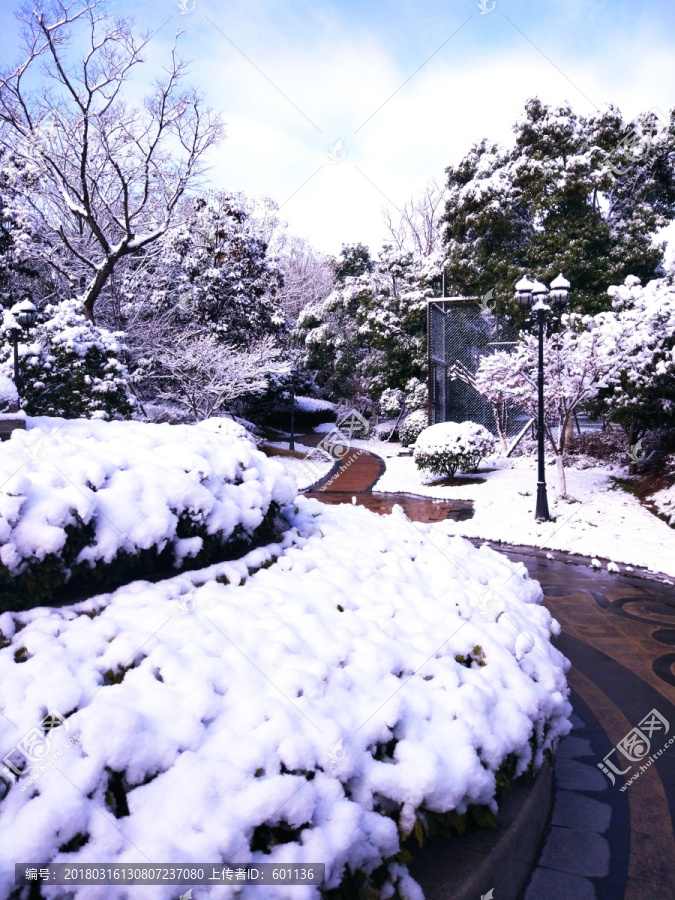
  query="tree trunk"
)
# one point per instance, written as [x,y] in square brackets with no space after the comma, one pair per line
[562,482]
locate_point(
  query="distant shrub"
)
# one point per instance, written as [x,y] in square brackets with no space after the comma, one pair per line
[446,447]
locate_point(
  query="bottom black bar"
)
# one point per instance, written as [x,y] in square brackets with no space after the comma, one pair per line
[193,873]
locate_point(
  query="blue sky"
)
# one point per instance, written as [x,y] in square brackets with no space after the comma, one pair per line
[294,78]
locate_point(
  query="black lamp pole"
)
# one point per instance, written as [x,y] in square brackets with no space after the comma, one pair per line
[541,513]
[24,316]
[291,443]
[526,292]
[14,336]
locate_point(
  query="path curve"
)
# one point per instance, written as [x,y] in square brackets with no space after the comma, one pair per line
[618,631]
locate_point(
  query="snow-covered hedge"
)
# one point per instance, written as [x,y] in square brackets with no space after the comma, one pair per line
[9,397]
[362,688]
[412,427]
[99,503]
[448,446]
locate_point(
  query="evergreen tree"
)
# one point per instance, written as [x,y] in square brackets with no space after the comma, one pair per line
[579,195]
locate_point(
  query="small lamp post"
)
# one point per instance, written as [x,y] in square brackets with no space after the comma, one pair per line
[291,443]
[535,294]
[25,313]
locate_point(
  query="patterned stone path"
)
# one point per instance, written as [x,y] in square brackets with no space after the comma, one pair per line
[618,631]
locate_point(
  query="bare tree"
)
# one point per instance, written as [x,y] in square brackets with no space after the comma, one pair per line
[110,172]
[308,275]
[204,375]
[418,228]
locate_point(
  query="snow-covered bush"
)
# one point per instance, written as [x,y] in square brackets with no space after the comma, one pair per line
[664,501]
[412,427]
[444,448]
[71,367]
[310,710]
[99,503]
[416,394]
[8,394]
[391,402]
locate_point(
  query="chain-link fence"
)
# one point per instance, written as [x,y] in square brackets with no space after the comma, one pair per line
[460,332]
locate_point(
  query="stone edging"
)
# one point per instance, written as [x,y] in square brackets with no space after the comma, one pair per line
[466,867]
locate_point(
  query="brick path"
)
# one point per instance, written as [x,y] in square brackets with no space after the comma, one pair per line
[618,631]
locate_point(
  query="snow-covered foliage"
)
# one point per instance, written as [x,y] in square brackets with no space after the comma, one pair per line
[314,404]
[369,334]
[412,427]
[568,195]
[210,271]
[641,390]
[416,394]
[70,367]
[9,397]
[391,402]
[203,375]
[664,501]
[444,448]
[105,501]
[110,171]
[312,710]
[579,360]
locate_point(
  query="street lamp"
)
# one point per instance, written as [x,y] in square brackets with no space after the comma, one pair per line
[534,294]
[291,443]
[25,314]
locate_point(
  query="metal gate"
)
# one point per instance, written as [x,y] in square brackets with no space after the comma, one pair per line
[460,330]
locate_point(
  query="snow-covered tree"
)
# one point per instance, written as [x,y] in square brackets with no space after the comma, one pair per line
[418,226]
[203,374]
[640,392]
[308,276]
[111,173]
[559,200]
[416,394]
[210,269]
[579,360]
[369,334]
[70,367]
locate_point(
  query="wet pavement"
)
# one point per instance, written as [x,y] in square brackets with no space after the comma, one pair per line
[618,631]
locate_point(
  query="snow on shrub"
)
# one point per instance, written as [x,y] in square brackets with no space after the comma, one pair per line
[321,711]
[447,446]
[391,402]
[9,397]
[101,502]
[72,367]
[664,501]
[412,427]
[416,394]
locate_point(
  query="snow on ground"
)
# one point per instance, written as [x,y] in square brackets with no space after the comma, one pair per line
[665,502]
[360,679]
[306,472]
[598,519]
[313,404]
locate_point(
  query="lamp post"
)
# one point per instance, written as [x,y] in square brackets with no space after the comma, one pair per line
[25,314]
[291,443]
[534,294]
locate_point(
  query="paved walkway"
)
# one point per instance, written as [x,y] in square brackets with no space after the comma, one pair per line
[618,631]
